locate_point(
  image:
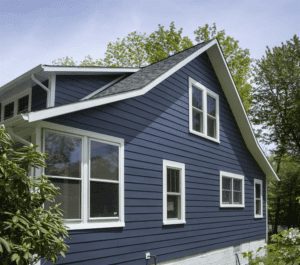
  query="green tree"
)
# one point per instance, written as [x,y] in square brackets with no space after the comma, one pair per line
[140,49]
[238,59]
[276,98]
[28,231]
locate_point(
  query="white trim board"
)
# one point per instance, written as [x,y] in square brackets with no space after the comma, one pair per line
[227,83]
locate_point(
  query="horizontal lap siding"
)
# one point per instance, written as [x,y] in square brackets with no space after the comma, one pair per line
[71,88]
[38,98]
[155,127]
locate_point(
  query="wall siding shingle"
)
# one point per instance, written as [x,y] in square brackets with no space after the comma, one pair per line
[155,127]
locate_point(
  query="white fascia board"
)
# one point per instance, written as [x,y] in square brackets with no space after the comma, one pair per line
[65,109]
[218,61]
[21,78]
[78,69]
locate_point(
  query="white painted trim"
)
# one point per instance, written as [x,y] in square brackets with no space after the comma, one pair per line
[103,87]
[52,112]
[267,213]
[52,86]
[205,92]
[85,223]
[86,69]
[259,182]
[232,176]
[181,167]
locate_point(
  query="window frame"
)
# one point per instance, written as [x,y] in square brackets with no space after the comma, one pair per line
[85,222]
[181,167]
[15,99]
[259,182]
[232,176]
[206,92]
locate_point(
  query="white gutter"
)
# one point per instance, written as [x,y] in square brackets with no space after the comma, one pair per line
[80,69]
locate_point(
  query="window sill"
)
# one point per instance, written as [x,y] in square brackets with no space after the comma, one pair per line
[232,206]
[258,216]
[94,225]
[216,140]
[174,222]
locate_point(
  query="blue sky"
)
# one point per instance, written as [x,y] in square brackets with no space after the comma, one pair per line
[34,32]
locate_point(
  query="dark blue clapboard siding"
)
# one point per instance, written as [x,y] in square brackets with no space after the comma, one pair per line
[71,88]
[38,97]
[155,127]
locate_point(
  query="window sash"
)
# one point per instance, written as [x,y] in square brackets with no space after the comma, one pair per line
[258,211]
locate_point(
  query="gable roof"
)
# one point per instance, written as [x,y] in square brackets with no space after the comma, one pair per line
[145,79]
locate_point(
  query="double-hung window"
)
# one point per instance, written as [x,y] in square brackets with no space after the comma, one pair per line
[231,190]
[89,173]
[173,193]
[258,198]
[203,111]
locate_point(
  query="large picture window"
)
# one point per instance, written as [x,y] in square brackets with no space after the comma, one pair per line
[173,192]
[231,190]
[258,198]
[204,111]
[89,173]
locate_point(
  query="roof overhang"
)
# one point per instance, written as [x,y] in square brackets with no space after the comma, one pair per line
[216,56]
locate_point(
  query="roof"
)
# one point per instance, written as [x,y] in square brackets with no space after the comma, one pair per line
[147,74]
[147,78]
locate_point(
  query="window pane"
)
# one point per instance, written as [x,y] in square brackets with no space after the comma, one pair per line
[197,98]
[23,104]
[69,197]
[257,191]
[64,155]
[9,110]
[173,180]
[211,127]
[104,199]
[104,161]
[226,183]
[211,106]
[226,197]
[237,197]
[258,207]
[197,120]
[173,207]
[237,184]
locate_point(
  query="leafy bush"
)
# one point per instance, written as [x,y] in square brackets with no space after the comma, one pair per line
[28,231]
[284,249]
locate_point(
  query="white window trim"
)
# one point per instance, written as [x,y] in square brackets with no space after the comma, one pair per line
[206,92]
[15,98]
[181,167]
[236,176]
[260,182]
[84,223]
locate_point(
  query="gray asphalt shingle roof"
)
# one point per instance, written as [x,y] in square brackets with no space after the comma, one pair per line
[146,75]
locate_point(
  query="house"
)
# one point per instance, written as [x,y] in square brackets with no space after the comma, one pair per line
[158,162]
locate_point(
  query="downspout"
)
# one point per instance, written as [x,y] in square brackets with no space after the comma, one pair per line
[47,89]
[17,137]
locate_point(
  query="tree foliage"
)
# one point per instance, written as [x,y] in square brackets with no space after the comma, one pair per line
[276,97]
[140,49]
[238,59]
[27,230]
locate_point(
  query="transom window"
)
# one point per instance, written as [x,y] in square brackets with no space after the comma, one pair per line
[89,173]
[173,192]
[258,198]
[231,190]
[204,111]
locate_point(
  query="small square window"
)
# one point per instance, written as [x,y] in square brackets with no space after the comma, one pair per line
[23,104]
[9,110]
[231,190]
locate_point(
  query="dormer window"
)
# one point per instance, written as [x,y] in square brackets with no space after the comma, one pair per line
[204,111]
[15,105]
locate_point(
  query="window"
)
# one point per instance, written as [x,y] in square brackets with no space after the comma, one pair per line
[89,172]
[231,190]
[15,105]
[204,111]
[173,193]
[258,198]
